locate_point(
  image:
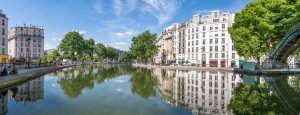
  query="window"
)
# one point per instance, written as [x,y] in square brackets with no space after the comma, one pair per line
[21,49]
[192,51]
[203,35]
[223,26]
[3,31]
[196,49]
[233,55]
[223,55]
[216,55]
[210,55]
[196,42]
[3,22]
[3,50]
[196,36]
[224,19]
[203,49]
[189,50]
[189,44]
[211,28]
[203,28]
[223,34]
[216,28]
[197,29]
[210,48]
[203,41]
[215,20]
[223,40]
[216,48]
[223,47]
[3,41]
[189,31]
[192,43]
[27,49]
[192,30]
[189,37]
[192,36]
[210,41]
[233,49]
[216,35]
[216,40]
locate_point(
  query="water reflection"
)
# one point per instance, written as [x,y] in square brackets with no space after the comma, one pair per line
[200,92]
[3,102]
[30,91]
[74,80]
[203,92]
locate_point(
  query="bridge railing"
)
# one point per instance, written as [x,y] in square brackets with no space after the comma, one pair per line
[270,61]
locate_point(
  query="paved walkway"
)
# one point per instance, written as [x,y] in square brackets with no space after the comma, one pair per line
[27,74]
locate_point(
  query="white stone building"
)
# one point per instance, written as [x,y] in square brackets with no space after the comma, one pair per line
[26,41]
[203,41]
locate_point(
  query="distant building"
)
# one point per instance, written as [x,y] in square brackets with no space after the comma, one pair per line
[3,38]
[26,41]
[49,51]
[203,41]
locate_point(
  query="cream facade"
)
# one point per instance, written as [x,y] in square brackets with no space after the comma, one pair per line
[4,33]
[26,41]
[203,41]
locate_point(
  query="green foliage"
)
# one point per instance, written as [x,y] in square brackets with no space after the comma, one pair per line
[143,83]
[53,56]
[254,99]
[262,24]
[72,46]
[90,48]
[143,46]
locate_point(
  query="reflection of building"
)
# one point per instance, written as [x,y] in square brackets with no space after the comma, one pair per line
[3,102]
[203,92]
[26,41]
[30,91]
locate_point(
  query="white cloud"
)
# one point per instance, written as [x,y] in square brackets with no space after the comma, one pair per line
[98,7]
[124,34]
[123,7]
[82,32]
[163,10]
[48,46]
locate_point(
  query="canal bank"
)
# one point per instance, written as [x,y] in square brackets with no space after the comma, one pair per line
[27,74]
[235,70]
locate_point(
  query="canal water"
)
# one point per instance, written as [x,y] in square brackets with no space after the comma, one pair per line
[125,90]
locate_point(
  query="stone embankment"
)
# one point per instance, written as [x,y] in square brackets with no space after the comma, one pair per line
[27,74]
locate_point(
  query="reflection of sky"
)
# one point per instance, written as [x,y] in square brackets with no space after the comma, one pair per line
[111,97]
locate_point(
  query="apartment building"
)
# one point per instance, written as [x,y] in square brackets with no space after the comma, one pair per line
[3,38]
[167,42]
[26,41]
[203,41]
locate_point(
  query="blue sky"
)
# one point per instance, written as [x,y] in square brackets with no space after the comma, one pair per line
[112,22]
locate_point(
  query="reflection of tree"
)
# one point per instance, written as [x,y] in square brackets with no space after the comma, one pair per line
[254,99]
[73,84]
[295,83]
[143,83]
[74,80]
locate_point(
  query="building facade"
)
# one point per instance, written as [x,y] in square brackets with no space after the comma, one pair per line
[3,38]
[26,41]
[204,41]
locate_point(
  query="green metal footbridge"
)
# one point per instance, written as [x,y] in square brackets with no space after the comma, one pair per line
[278,57]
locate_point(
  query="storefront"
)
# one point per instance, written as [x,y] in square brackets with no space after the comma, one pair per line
[223,63]
[4,59]
[213,63]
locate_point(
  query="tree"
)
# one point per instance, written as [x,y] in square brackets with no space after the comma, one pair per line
[100,51]
[261,25]
[90,48]
[111,53]
[143,46]
[72,46]
[53,56]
